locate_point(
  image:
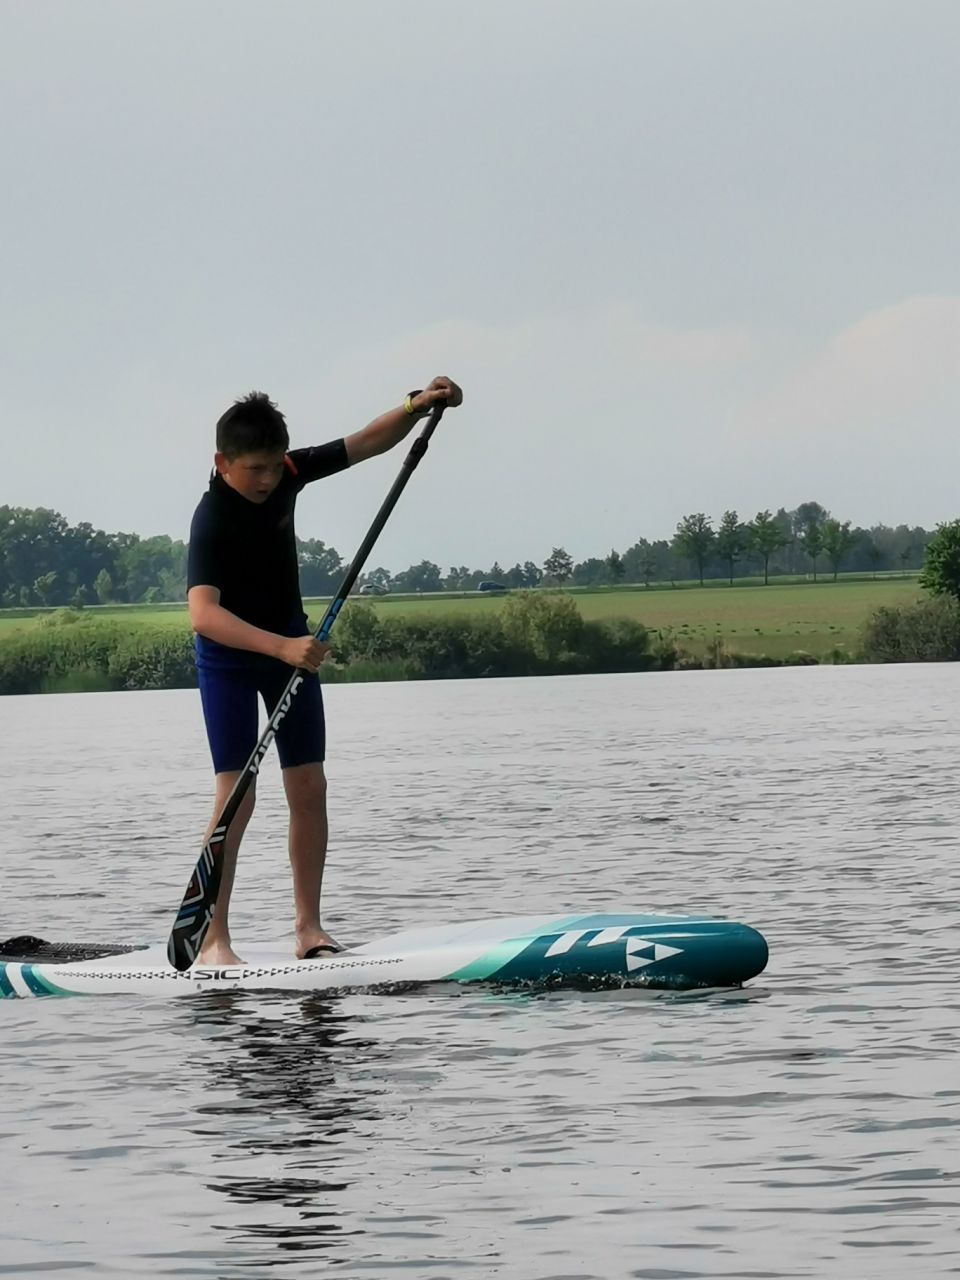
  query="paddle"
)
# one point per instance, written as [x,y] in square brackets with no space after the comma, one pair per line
[196,910]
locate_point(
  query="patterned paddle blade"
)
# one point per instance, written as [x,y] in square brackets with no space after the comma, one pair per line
[196,909]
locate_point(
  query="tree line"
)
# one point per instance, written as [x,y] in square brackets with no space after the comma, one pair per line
[806,540]
[46,561]
[534,633]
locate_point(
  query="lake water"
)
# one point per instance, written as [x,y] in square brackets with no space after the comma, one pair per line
[809,1127]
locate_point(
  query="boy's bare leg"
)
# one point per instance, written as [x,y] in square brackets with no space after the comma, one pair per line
[306,788]
[216,947]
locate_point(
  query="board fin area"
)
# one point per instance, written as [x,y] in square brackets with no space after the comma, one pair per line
[27,949]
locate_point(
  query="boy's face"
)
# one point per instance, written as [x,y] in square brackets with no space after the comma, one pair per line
[254,475]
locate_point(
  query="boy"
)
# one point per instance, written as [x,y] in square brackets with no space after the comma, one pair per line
[243,593]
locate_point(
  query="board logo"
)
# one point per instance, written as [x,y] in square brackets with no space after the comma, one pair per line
[274,725]
[231,973]
[638,951]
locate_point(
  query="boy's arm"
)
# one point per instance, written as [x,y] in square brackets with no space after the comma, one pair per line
[209,618]
[395,425]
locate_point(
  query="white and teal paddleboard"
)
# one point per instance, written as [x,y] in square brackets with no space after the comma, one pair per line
[656,951]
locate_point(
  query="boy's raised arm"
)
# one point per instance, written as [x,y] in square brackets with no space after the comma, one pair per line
[393,426]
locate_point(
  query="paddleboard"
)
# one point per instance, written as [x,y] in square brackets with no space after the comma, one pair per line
[666,952]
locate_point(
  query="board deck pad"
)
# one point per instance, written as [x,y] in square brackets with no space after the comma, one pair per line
[664,952]
[30,950]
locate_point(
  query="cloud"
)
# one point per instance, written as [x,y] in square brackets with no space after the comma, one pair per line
[894,367]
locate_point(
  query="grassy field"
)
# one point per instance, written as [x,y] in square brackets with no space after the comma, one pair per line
[173,615]
[773,620]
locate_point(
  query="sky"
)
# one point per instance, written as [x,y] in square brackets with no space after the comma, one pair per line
[682,256]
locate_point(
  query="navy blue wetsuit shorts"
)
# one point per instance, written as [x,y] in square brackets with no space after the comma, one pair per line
[231,682]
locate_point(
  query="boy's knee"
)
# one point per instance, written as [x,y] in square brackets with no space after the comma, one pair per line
[226,783]
[306,786]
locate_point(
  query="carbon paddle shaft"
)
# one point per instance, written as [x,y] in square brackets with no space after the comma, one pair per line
[196,910]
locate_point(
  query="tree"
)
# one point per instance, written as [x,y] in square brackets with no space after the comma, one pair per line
[590,573]
[694,539]
[731,541]
[873,553]
[614,563]
[941,562]
[643,561]
[809,520]
[45,587]
[140,563]
[378,577]
[320,567]
[558,565]
[31,543]
[765,537]
[425,576]
[811,539]
[786,522]
[808,515]
[103,586]
[837,540]
[532,573]
[648,567]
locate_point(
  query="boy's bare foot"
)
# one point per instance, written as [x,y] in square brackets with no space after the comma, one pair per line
[218,954]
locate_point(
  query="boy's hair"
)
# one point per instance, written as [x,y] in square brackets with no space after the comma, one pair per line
[252,425]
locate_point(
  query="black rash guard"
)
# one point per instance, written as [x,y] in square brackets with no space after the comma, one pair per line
[248,550]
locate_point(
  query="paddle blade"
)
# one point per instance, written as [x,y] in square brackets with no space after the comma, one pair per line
[196,909]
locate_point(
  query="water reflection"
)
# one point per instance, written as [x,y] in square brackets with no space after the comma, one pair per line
[283,1118]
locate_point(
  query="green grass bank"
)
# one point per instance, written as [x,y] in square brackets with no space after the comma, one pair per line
[434,636]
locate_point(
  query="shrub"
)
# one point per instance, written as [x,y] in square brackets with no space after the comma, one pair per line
[65,617]
[81,653]
[153,658]
[941,561]
[547,626]
[925,632]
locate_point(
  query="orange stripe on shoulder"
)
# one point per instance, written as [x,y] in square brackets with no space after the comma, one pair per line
[289,464]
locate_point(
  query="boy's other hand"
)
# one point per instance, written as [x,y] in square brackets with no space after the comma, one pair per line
[303,651]
[439,389]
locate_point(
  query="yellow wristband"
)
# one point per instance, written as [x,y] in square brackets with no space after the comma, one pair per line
[408,405]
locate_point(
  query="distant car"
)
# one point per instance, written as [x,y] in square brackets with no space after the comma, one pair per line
[491,586]
[373,589]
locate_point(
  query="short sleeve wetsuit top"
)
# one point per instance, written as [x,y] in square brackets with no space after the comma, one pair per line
[248,551]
